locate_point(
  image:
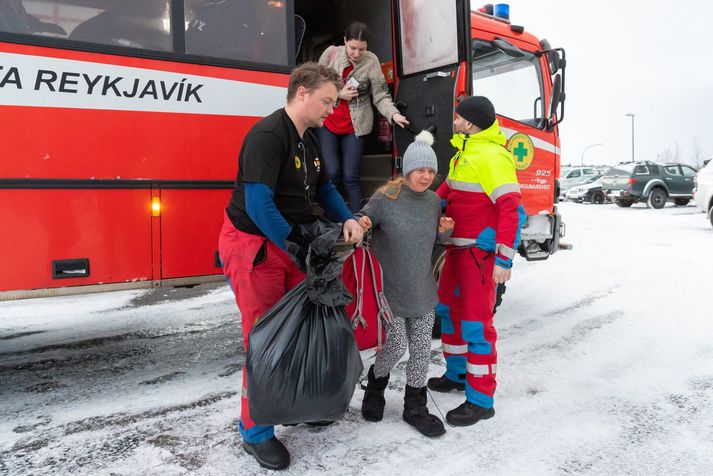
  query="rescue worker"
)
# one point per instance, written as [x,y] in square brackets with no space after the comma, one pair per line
[280,177]
[483,198]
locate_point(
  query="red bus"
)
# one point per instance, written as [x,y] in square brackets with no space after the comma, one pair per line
[121,121]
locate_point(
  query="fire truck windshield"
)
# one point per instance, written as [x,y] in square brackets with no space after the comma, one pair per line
[514,85]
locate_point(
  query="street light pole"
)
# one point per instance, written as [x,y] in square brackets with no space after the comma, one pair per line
[581,162]
[631,115]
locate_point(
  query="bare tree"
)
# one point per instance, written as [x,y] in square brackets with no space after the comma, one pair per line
[665,156]
[697,154]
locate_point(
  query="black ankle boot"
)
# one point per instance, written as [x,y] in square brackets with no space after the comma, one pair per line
[416,413]
[270,454]
[467,414]
[444,384]
[372,407]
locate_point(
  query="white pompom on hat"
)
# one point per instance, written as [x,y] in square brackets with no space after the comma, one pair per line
[420,154]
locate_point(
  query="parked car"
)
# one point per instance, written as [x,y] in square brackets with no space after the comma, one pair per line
[654,184]
[571,176]
[703,194]
[590,191]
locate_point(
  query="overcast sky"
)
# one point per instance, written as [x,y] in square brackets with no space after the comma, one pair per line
[644,57]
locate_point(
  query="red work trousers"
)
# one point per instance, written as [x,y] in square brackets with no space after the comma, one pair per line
[259,273]
[467,290]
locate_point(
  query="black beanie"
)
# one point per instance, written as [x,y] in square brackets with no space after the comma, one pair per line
[477,110]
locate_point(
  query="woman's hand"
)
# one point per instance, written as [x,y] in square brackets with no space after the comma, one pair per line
[347,93]
[400,119]
[446,224]
[365,222]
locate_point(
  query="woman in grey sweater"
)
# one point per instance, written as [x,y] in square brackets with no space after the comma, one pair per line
[406,218]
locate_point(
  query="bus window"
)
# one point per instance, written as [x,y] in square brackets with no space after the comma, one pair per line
[246,30]
[512,84]
[134,23]
[14,18]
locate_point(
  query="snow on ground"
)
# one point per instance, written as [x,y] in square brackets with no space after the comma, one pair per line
[606,367]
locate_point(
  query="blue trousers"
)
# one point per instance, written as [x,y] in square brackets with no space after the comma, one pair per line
[342,160]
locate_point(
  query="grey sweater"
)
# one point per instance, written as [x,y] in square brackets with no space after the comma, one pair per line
[405,231]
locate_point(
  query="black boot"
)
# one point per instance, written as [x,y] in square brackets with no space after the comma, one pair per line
[372,407]
[467,414]
[416,413]
[271,454]
[444,384]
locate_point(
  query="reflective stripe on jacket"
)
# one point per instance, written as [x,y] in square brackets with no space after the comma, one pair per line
[482,195]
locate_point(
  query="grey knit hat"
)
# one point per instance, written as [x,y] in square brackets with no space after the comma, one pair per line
[420,154]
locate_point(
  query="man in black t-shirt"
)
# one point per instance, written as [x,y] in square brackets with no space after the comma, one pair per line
[280,178]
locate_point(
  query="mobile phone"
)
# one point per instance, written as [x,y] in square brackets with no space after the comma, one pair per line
[353,83]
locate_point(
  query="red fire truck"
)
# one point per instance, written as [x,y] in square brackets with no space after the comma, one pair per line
[121,122]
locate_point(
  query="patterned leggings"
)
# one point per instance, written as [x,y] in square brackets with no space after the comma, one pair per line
[414,332]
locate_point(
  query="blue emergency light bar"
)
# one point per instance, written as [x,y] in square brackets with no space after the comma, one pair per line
[502,10]
[499,10]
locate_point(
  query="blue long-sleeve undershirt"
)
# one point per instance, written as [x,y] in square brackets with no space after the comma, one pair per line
[261,208]
[332,202]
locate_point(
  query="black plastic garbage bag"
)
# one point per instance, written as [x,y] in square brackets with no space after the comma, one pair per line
[302,362]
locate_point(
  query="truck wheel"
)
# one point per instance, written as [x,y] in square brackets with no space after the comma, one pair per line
[623,203]
[598,198]
[681,202]
[657,198]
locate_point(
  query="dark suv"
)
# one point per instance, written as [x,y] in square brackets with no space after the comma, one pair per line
[654,184]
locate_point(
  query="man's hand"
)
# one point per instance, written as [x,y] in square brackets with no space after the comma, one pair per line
[446,224]
[365,223]
[353,232]
[501,275]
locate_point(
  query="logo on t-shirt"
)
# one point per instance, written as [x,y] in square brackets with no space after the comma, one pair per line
[298,162]
[317,164]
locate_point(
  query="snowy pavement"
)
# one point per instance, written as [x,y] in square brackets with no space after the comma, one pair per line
[605,367]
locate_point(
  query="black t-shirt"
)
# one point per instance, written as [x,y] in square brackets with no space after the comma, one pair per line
[273,154]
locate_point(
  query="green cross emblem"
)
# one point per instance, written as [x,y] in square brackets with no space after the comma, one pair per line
[520,152]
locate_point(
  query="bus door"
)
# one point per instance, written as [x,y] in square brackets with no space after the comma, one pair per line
[432,71]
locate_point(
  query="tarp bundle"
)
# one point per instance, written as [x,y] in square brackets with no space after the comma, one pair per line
[303,363]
